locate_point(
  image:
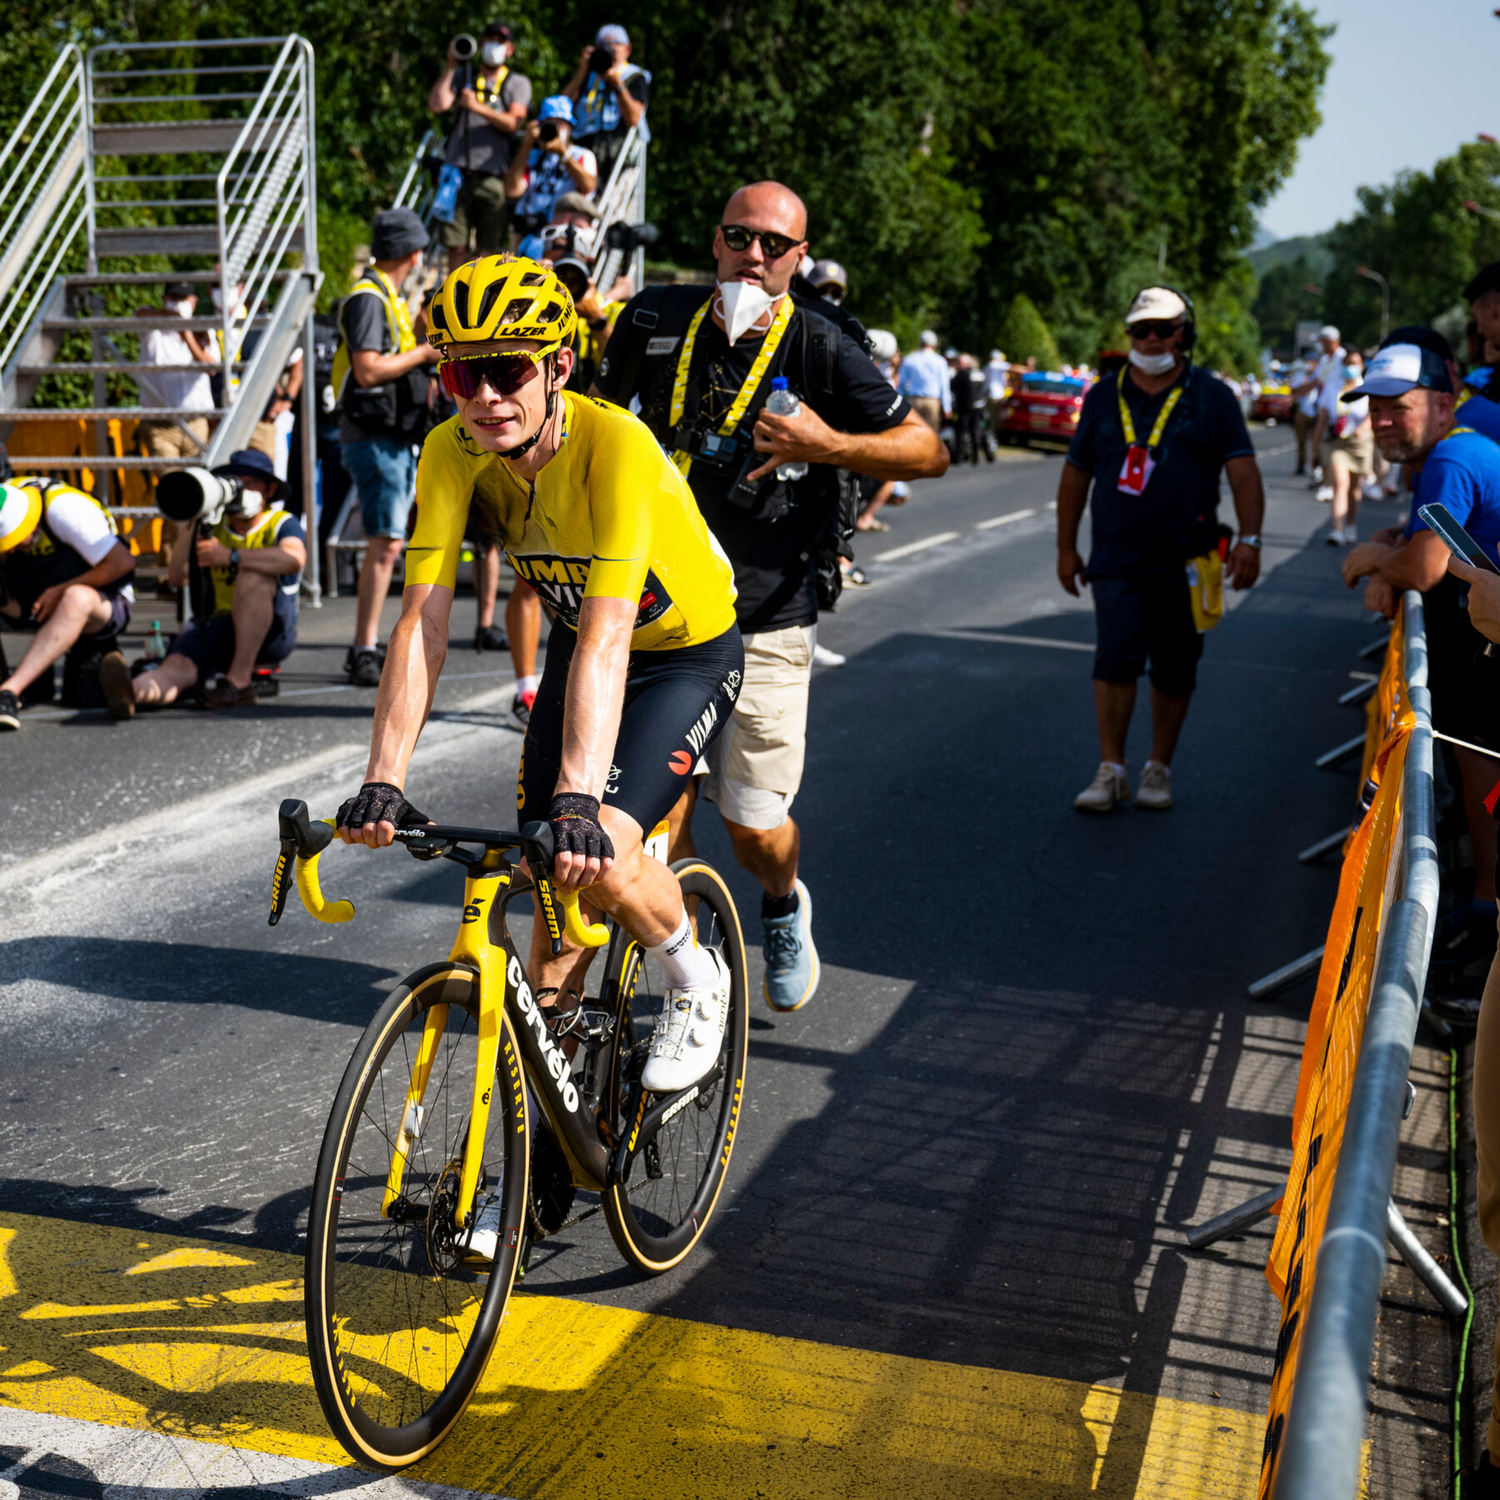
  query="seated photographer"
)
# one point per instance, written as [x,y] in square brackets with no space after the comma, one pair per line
[548,165]
[245,575]
[64,574]
[610,95]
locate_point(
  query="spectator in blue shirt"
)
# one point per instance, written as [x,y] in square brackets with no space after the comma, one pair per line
[1479,402]
[926,381]
[1151,443]
[1412,407]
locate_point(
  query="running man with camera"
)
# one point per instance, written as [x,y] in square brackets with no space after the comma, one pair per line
[243,564]
[644,660]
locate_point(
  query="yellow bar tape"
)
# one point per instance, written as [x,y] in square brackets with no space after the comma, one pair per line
[752,381]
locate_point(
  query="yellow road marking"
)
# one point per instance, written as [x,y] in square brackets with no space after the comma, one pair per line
[582,1400]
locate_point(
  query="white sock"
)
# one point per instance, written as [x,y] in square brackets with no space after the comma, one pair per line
[684,965]
[526,684]
[1116,767]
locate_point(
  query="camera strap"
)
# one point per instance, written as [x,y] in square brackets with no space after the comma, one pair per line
[741,403]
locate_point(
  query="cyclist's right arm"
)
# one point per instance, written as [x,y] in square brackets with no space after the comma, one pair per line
[419,643]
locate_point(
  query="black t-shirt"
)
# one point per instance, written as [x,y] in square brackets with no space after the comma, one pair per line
[1177,516]
[771,553]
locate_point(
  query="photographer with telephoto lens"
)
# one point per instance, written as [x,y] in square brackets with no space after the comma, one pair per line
[492,109]
[242,562]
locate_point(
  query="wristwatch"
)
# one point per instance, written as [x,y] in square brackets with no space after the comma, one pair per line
[234,563]
[1249,541]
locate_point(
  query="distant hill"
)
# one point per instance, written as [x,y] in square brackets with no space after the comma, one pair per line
[1314,246]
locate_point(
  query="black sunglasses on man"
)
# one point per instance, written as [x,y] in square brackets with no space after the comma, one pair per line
[1145,328]
[738,238]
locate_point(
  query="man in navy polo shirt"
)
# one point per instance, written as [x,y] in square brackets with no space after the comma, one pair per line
[1413,413]
[1151,442]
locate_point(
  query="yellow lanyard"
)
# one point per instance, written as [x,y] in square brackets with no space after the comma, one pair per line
[481,84]
[1162,417]
[1455,432]
[732,417]
[406,335]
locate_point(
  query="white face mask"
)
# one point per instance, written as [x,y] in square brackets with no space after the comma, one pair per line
[744,304]
[183,309]
[1152,364]
[493,54]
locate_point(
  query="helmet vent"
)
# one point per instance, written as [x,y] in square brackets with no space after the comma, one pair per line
[552,314]
[460,303]
[516,310]
[533,278]
[487,303]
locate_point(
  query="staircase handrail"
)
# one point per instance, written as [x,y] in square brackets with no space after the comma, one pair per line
[49,188]
[622,201]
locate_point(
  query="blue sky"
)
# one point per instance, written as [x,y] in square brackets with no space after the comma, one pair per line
[1410,81]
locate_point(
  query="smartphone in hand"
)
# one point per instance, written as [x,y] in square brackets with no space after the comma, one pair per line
[1459,543]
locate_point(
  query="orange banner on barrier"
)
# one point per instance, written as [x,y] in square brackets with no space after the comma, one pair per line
[1388,702]
[1335,1030]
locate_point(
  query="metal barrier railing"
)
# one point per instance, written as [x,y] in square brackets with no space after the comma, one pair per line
[1320,1454]
[623,201]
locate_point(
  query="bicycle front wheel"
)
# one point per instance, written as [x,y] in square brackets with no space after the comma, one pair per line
[660,1212]
[401,1311]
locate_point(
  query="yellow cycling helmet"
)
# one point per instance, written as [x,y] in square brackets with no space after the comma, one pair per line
[20,513]
[501,297]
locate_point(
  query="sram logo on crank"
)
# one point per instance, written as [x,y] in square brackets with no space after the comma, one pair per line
[552,1055]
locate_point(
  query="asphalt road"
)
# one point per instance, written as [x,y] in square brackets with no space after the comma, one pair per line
[1030,1060]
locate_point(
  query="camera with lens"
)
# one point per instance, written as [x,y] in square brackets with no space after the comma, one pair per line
[574,273]
[601,60]
[464,47]
[548,130]
[631,237]
[195,495]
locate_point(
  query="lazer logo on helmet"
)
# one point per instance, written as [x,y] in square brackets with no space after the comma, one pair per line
[561,581]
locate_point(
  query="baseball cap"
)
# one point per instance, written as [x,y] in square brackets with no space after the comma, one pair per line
[397,232]
[1328,331]
[1485,281]
[498,30]
[1422,337]
[556,107]
[1156,302]
[610,36]
[1397,368]
[825,272]
[575,203]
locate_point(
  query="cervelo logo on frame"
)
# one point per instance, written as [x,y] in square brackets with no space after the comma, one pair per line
[553,1055]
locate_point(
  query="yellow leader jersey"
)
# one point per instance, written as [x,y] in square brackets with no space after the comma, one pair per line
[610,518]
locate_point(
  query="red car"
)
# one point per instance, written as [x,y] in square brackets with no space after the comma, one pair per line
[1274,401]
[1046,408]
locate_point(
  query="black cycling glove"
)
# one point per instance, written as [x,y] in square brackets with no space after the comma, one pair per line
[379,802]
[575,827]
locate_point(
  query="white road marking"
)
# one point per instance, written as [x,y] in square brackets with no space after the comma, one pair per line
[1011,640]
[1015,515]
[913,547]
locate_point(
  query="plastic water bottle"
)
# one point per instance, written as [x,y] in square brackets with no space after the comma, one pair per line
[156,647]
[783,402]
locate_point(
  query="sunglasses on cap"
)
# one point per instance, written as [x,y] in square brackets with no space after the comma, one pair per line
[505,374]
[738,238]
[1145,328]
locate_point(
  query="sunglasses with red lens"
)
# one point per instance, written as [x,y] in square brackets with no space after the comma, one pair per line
[1144,328]
[505,374]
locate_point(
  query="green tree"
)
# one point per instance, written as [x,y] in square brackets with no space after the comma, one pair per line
[1417,233]
[1289,293]
[1024,335]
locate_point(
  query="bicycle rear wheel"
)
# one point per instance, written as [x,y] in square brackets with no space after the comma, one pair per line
[400,1318]
[660,1212]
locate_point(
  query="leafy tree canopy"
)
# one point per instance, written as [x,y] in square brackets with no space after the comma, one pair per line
[953,156]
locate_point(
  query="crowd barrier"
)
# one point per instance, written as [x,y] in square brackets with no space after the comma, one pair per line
[1335,1211]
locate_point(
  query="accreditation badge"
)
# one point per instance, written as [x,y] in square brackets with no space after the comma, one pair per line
[1135,473]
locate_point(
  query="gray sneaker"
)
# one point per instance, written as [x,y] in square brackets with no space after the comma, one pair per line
[792,966]
[1105,792]
[1155,790]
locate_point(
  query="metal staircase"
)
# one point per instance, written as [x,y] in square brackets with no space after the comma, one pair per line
[195,154]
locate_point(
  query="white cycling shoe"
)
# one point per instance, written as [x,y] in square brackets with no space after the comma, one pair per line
[689,1034]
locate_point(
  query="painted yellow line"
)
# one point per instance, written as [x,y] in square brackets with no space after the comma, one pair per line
[160,1333]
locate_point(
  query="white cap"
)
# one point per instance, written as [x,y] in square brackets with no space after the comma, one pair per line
[996,354]
[929,339]
[883,343]
[1328,331]
[1156,302]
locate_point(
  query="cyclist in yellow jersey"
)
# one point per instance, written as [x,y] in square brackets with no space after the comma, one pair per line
[644,659]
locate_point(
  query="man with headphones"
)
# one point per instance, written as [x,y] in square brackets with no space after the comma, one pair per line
[1151,443]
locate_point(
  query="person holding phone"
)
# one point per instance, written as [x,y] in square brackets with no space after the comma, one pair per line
[1412,397]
